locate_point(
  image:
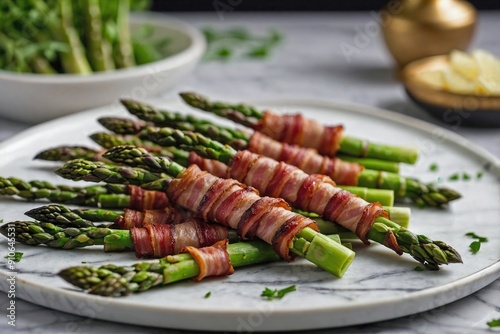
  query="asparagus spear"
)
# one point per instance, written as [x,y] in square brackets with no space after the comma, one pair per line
[60,214]
[67,153]
[116,281]
[124,54]
[249,116]
[423,249]
[308,243]
[38,233]
[70,235]
[98,48]
[109,196]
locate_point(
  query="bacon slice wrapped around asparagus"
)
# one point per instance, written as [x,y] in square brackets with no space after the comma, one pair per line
[297,129]
[148,241]
[217,260]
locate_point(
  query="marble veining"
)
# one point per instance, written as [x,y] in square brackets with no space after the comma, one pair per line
[318,70]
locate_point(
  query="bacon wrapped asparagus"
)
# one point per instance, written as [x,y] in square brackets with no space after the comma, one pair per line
[126,219]
[308,192]
[308,160]
[217,260]
[108,196]
[148,241]
[230,203]
[298,130]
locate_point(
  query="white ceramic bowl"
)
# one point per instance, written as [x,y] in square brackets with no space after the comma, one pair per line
[35,98]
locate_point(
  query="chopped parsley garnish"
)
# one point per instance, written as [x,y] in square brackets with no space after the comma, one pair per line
[273,294]
[434,167]
[475,236]
[418,268]
[208,294]
[17,257]
[494,323]
[239,43]
[479,175]
[465,176]
[475,246]
[454,177]
[84,262]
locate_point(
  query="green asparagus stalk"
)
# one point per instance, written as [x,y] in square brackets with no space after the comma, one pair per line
[115,281]
[374,164]
[109,196]
[308,243]
[62,215]
[43,233]
[249,116]
[430,253]
[98,48]
[67,153]
[124,53]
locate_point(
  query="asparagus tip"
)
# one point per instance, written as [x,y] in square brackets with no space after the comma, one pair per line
[194,100]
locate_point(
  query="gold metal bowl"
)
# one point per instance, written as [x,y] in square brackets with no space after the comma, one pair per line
[455,109]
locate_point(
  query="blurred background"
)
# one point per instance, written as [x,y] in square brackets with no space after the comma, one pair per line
[293,5]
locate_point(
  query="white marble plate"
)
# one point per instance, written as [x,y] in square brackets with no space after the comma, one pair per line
[379,285]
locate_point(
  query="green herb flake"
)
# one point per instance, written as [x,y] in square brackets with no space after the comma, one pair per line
[273,294]
[479,175]
[494,323]
[84,262]
[223,53]
[208,294]
[454,177]
[475,246]
[418,268]
[259,52]
[17,257]
[433,167]
[466,177]
[475,236]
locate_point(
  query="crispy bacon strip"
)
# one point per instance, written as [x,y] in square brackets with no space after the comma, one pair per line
[314,193]
[141,199]
[166,239]
[169,215]
[307,159]
[214,167]
[213,260]
[238,206]
[298,130]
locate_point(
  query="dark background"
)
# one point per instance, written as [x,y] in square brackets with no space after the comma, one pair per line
[291,5]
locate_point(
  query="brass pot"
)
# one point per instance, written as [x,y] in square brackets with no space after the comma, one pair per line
[415,29]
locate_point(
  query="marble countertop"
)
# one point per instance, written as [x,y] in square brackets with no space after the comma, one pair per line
[309,64]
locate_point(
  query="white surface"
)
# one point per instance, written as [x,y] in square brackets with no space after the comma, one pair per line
[34,98]
[378,286]
[309,64]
